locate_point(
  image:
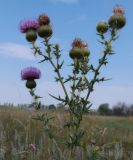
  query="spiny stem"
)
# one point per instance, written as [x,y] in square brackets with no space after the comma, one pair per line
[74,81]
[48,50]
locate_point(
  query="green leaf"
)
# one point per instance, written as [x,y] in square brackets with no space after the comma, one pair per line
[59,66]
[57,98]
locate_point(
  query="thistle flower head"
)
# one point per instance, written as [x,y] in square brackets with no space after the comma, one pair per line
[32,147]
[28,24]
[118,10]
[30,73]
[77,43]
[79,49]
[43,19]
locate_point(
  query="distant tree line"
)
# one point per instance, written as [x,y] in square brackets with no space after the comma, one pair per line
[59,106]
[120,109]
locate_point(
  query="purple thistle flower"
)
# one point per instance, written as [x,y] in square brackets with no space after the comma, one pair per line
[30,73]
[28,24]
[32,147]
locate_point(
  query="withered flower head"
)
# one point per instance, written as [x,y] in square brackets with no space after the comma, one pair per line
[77,43]
[119,10]
[44,19]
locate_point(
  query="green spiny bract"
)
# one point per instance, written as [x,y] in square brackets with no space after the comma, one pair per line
[102,27]
[79,53]
[31,36]
[30,84]
[45,31]
[117,21]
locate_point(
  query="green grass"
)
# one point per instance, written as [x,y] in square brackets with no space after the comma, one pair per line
[119,123]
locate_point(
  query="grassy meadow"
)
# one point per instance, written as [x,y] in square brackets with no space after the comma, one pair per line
[106,138]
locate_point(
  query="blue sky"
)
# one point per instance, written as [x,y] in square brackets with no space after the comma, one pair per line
[70,19]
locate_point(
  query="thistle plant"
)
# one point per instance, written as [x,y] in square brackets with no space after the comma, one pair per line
[81,86]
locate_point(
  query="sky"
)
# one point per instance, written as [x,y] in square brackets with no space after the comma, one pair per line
[70,19]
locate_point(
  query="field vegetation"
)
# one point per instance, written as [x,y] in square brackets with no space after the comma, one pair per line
[106,137]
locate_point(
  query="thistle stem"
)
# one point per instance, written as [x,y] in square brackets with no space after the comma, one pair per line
[48,50]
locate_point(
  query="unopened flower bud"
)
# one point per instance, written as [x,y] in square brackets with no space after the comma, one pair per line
[117,21]
[102,27]
[45,31]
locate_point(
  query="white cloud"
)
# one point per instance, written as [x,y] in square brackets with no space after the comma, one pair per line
[16,50]
[65,1]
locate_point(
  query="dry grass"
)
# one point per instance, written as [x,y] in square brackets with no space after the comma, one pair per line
[107,137]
